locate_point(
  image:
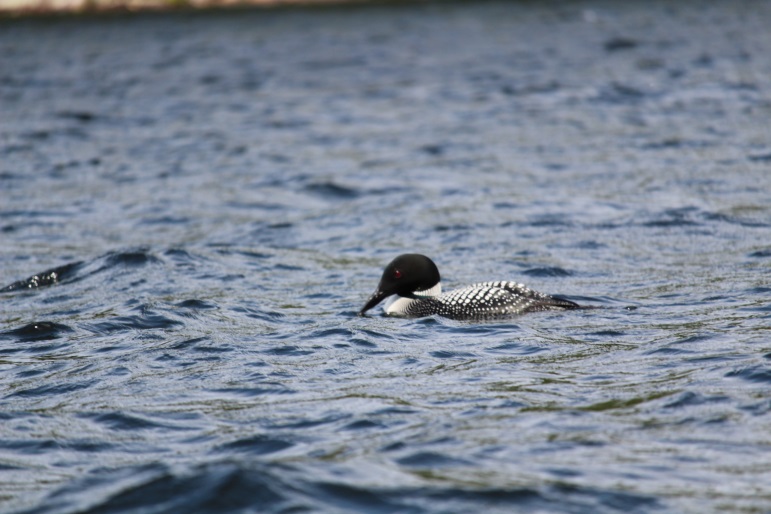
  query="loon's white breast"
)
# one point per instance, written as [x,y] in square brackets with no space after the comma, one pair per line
[400,306]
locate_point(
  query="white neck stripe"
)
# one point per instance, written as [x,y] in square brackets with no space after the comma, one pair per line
[434,291]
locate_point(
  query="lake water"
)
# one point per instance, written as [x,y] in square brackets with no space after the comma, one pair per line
[218,193]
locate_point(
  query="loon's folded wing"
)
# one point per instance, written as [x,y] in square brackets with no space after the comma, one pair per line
[529,300]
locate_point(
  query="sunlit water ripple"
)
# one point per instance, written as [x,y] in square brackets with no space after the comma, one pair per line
[193,207]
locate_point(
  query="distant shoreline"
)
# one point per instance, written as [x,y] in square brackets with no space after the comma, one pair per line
[42,7]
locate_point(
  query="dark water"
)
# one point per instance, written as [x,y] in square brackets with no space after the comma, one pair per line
[194,206]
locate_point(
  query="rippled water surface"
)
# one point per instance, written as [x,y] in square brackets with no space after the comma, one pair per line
[193,207]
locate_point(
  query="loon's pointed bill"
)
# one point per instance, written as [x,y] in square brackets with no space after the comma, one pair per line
[414,280]
[377,297]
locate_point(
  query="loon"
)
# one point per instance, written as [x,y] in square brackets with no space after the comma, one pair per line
[414,279]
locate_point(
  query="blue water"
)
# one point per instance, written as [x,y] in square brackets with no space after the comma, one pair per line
[193,207]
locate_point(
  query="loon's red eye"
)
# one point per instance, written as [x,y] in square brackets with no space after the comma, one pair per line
[397,273]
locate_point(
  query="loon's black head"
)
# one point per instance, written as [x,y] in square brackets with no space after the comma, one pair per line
[405,275]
